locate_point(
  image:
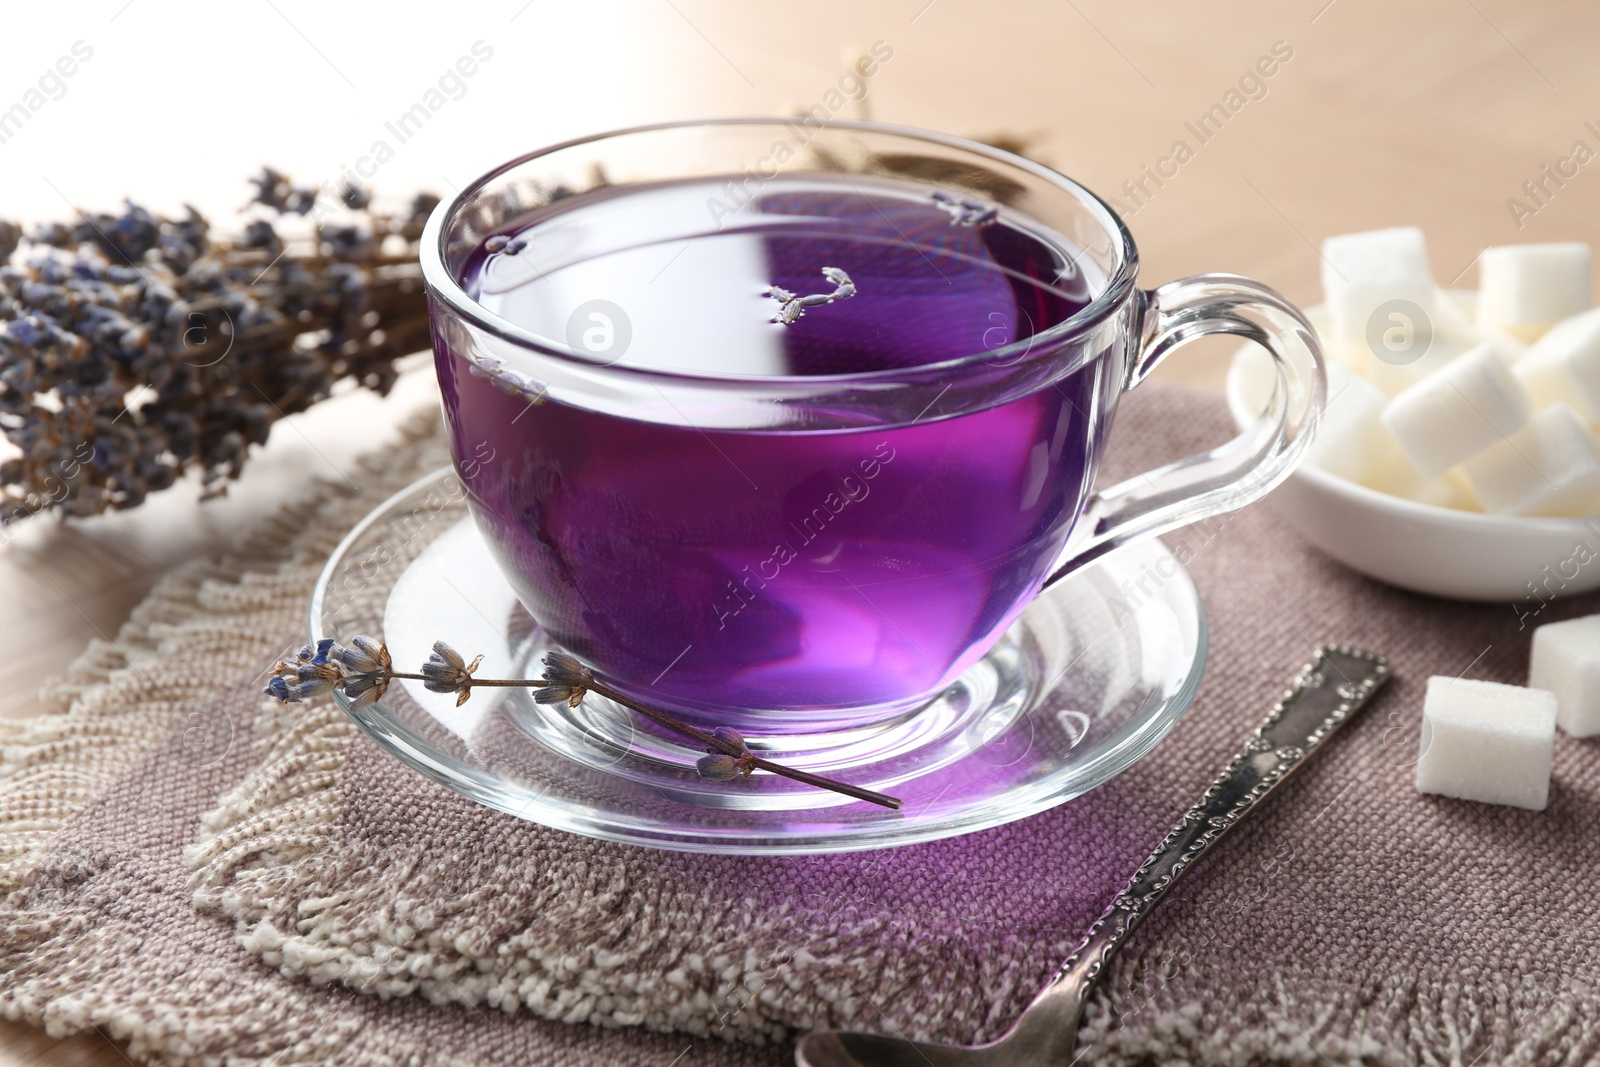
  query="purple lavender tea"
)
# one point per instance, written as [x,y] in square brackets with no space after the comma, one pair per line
[775,569]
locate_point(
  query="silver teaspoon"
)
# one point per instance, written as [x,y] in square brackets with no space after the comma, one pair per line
[1336,683]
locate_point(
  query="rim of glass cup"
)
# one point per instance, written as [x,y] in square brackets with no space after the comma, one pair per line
[1120,282]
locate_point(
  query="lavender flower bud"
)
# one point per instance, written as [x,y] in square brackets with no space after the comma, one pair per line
[729,736]
[563,669]
[365,655]
[555,694]
[365,689]
[447,672]
[719,767]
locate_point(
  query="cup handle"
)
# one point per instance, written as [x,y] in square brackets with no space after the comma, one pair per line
[1247,467]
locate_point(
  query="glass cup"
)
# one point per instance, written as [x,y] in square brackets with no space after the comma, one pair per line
[791,554]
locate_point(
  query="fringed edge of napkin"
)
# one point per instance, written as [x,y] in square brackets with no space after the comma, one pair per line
[267,859]
[210,620]
[119,699]
[1297,1017]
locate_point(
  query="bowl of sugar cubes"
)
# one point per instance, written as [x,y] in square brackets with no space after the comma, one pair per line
[1457,454]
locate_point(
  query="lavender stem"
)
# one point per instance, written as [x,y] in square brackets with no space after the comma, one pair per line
[705,737]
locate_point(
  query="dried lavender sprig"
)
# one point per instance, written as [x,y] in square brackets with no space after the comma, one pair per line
[363,670]
[794,305]
[134,347]
[567,679]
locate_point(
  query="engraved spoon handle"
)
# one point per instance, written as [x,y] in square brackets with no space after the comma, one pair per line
[1333,685]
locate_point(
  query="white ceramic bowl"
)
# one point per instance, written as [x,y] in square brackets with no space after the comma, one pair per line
[1460,554]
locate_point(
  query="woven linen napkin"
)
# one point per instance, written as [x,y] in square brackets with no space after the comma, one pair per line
[301,893]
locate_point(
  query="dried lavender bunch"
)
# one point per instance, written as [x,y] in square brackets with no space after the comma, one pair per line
[134,347]
[363,669]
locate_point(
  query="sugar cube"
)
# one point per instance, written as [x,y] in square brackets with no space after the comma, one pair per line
[1454,315]
[1394,374]
[1397,477]
[1459,410]
[1564,365]
[1566,661]
[1351,441]
[1550,467]
[1367,278]
[1526,289]
[1488,742]
[1452,490]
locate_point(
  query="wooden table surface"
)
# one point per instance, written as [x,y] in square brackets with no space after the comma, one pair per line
[1430,113]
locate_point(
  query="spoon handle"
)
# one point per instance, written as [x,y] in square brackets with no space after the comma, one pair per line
[1336,683]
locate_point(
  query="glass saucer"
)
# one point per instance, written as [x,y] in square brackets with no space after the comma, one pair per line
[1088,679]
